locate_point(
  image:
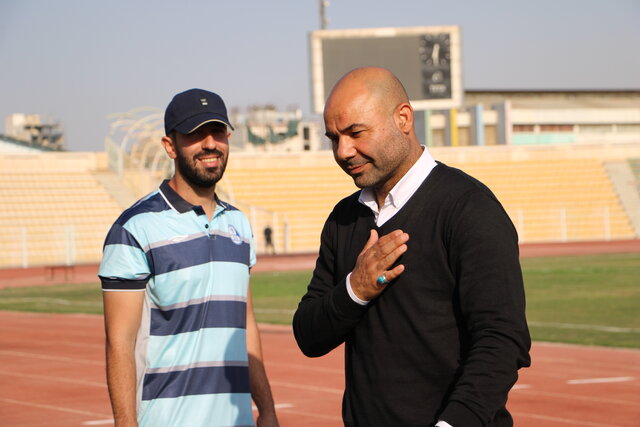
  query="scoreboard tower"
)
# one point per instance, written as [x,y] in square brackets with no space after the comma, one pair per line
[427,60]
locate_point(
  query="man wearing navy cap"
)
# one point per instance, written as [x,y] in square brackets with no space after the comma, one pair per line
[183,348]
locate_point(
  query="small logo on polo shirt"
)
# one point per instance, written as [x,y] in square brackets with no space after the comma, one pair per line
[234,235]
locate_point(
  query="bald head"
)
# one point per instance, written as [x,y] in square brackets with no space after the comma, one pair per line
[372,90]
[379,84]
[369,121]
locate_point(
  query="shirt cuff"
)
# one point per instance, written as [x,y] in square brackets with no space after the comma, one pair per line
[443,424]
[355,298]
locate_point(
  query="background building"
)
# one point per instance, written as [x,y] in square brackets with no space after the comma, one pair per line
[264,128]
[34,130]
[535,118]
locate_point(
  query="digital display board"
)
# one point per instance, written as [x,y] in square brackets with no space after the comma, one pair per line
[425,59]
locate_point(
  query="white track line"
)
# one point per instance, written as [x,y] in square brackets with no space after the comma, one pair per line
[542,344]
[59,301]
[306,368]
[52,407]
[277,406]
[58,379]
[520,387]
[47,357]
[601,328]
[601,380]
[561,420]
[582,398]
[307,387]
[60,343]
[284,405]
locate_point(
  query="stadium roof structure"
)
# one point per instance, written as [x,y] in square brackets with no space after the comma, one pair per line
[133,141]
[8,143]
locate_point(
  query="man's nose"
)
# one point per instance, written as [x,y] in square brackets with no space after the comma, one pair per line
[344,148]
[209,141]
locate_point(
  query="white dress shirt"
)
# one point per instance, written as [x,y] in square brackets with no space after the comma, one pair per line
[396,199]
[401,192]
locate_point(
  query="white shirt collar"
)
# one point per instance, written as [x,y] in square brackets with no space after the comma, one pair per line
[402,191]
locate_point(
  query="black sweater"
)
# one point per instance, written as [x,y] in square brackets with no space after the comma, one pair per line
[445,339]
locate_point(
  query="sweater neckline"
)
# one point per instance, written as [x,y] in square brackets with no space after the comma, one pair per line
[416,203]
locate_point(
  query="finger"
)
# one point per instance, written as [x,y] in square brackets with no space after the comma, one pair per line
[385,262]
[391,242]
[394,272]
[373,238]
[396,238]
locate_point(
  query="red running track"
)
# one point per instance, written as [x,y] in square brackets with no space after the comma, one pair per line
[52,366]
[52,374]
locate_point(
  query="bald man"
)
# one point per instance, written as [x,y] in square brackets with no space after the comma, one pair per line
[418,274]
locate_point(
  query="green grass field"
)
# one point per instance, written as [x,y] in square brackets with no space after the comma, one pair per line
[593,300]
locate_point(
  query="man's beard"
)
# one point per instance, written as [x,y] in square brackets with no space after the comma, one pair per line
[206,178]
[382,166]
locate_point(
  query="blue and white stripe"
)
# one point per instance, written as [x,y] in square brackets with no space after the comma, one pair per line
[192,359]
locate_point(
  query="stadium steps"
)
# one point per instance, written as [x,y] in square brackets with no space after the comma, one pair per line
[53,217]
[300,194]
[634,164]
[548,200]
[114,186]
[542,195]
[45,206]
[627,184]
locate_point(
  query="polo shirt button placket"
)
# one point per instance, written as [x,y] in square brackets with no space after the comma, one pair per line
[209,233]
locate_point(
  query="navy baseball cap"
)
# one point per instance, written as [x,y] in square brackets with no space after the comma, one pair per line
[192,108]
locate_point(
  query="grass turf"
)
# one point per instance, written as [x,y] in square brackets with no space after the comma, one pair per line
[593,300]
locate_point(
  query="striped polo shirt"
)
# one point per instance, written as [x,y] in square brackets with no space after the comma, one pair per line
[191,352]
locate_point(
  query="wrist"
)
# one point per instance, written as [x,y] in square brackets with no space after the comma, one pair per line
[352,294]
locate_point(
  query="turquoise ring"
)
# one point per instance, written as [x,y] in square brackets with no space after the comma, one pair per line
[382,280]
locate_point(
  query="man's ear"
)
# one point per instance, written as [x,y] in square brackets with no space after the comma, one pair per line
[404,117]
[169,146]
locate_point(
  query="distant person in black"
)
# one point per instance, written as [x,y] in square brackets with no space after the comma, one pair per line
[418,274]
[268,240]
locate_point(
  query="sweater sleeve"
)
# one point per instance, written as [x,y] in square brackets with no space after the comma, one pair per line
[484,257]
[326,314]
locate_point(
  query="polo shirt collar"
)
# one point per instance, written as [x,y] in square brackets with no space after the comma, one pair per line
[181,205]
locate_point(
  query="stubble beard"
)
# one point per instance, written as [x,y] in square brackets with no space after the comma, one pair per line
[370,178]
[380,170]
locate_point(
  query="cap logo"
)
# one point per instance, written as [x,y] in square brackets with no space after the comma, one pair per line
[204,101]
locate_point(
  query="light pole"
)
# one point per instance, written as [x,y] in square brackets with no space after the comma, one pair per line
[323,18]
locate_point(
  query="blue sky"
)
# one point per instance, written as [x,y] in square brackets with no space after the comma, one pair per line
[80,60]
